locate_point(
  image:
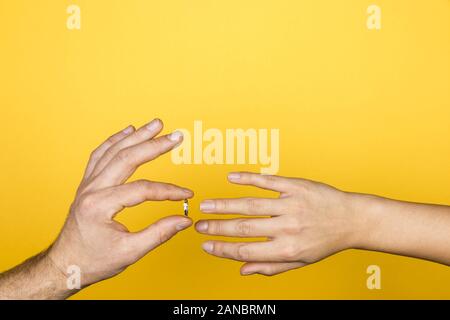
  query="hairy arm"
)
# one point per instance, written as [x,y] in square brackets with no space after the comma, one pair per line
[36,278]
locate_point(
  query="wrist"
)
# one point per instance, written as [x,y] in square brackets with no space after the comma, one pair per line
[366,212]
[60,274]
[35,279]
[59,277]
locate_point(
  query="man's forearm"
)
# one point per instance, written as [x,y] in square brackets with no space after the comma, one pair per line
[404,228]
[36,278]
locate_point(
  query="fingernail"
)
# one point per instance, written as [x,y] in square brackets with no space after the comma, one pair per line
[187,191]
[202,226]
[247,273]
[208,247]
[183,225]
[128,130]
[234,176]
[207,205]
[175,136]
[154,125]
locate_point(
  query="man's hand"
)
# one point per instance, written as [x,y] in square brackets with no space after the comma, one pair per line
[91,239]
[311,221]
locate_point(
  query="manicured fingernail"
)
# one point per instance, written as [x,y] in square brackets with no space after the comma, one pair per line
[175,136]
[202,226]
[208,247]
[183,225]
[234,176]
[207,205]
[128,130]
[154,125]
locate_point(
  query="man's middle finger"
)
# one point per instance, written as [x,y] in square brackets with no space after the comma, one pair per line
[125,163]
[144,133]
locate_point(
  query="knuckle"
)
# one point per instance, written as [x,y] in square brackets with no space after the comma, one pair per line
[222,205]
[242,252]
[167,187]
[308,257]
[158,144]
[269,271]
[124,156]
[289,253]
[245,176]
[95,154]
[252,204]
[243,228]
[288,229]
[126,246]
[270,179]
[301,186]
[251,178]
[162,236]
[110,141]
[160,191]
[294,227]
[157,193]
[147,189]
[218,249]
[293,230]
[214,227]
[87,202]
[144,184]
[109,154]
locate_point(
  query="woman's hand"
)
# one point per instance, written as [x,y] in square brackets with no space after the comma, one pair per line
[308,222]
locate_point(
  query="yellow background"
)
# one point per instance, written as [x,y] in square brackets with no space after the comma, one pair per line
[363,110]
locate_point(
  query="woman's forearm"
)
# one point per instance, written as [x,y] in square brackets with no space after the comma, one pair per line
[404,228]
